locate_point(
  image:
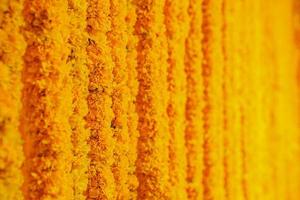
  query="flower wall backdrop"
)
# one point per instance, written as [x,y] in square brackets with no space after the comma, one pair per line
[150,99]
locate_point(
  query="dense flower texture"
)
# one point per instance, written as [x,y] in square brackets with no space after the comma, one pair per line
[149,99]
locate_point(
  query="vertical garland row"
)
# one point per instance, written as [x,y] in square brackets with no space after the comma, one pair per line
[153,154]
[194,105]
[77,59]
[212,69]
[243,107]
[12,47]
[132,83]
[120,96]
[254,126]
[176,22]
[101,184]
[268,81]
[296,41]
[232,97]
[46,102]
[270,74]
[288,109]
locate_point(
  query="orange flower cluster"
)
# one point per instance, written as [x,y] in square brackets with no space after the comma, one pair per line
[149,99]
